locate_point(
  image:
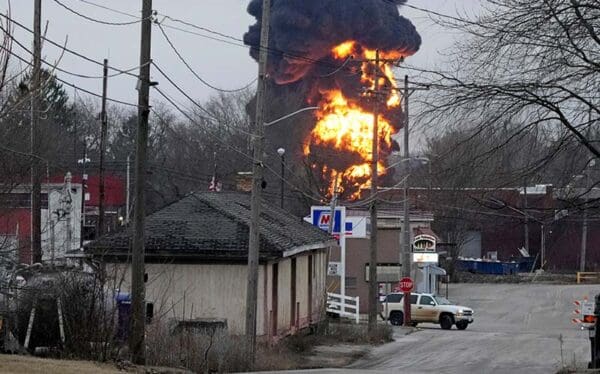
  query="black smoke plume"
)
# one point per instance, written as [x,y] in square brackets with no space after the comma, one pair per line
[300,62]
[304,31]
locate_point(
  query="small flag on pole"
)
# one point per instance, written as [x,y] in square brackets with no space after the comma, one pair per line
[214,185]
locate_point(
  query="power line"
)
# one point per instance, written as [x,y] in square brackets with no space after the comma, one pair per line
[69,83]
[231,147]
[127,71]
[91,19]
[204,36]
[64,48]
[240,43]
[110,9]
[201,28]
[194,72]
[211,117]
[206,111]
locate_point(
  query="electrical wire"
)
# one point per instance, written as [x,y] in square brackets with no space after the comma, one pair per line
[210,116]
[70,72]
[338,69]
[110,9]
[206,111]
[91,19]
[194,72]
[69,83]
[240,43]
[165,16]
[218,139]
[45,39]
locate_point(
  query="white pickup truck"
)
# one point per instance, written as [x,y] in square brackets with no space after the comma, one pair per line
[427,308]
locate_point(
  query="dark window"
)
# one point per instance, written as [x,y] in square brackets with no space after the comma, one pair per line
[149,312]
[426,300]
[413,298]
[293,305]
[394,298]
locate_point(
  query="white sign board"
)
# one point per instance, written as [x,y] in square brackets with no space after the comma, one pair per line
[334,268]
[424,243]
[587,312]
[419,257]
[321,217]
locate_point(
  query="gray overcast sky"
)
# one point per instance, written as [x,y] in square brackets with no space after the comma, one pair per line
[223,65]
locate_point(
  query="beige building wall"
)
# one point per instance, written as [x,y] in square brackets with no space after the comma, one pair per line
[316,298]
[302,289]
[189,291]
[320,284]
[284,311]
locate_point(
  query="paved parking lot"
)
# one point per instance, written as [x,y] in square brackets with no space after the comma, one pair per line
[518,329]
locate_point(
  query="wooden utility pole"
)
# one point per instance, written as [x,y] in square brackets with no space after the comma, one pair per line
[103,130]
[138,292]
[406,247]
[36,178]
[332,205]
[257,179]
[373,285]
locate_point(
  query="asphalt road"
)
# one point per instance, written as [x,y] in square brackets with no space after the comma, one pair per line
[518,328]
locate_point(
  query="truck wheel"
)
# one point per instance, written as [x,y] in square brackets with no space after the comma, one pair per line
[397,318]
[446,322]
[461,325]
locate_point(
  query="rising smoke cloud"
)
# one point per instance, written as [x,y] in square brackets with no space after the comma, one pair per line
[310,28]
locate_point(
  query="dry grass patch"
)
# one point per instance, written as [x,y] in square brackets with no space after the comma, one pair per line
[14,364]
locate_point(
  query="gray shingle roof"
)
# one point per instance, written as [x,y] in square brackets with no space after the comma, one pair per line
[215,225]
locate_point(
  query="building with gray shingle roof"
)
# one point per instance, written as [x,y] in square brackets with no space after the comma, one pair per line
[196,255]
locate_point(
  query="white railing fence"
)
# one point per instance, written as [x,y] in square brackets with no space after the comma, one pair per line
[344,306]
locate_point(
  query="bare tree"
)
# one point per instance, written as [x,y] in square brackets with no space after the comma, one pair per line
[533,63]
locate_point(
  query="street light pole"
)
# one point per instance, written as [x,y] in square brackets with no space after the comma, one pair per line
[281,153]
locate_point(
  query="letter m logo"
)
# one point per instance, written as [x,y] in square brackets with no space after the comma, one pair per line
[324,219]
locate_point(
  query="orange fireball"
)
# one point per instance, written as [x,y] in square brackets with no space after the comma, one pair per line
[345,125]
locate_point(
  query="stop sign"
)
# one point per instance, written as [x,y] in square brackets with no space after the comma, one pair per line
[406,284]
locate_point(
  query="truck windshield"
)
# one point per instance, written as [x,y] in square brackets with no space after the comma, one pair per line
[442,301]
